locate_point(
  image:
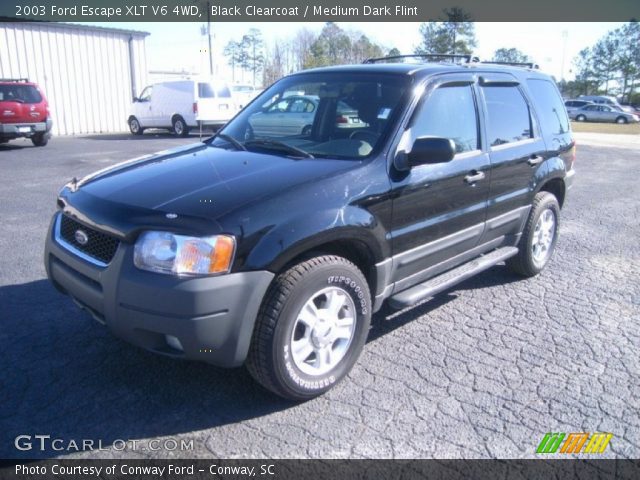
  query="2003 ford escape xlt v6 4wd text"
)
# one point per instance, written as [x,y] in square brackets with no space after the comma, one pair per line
[274,249]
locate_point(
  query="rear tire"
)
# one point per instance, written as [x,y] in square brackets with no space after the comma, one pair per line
[311,328]
[539,237]
[306,131]
[135,127]
[621,120]
[180,127]
[40,139]
[581,118]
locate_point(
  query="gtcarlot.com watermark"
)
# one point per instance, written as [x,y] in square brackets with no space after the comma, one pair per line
[43,443]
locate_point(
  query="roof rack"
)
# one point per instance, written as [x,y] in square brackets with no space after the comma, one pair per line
[466,58]
[514,64]
[14,80]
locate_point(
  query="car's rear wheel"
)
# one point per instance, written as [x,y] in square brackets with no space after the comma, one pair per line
[621,120]
[40,139]
[581,118]
[539,237]
[180,127]
[135,127]
[311,327]
[306,131]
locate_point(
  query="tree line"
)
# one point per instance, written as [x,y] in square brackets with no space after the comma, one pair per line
[610,66]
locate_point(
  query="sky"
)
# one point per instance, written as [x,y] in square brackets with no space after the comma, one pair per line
[182,46]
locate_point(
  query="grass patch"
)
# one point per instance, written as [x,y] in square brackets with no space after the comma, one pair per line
[592,127]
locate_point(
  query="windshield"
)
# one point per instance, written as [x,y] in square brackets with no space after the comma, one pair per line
[326,115]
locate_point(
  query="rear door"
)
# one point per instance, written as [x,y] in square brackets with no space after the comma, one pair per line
[215,102]
[516,148]
[21,103]
[439,209]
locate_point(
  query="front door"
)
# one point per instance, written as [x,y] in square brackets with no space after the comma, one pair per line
[439,209]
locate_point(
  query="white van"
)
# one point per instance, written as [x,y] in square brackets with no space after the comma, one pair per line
[181,105]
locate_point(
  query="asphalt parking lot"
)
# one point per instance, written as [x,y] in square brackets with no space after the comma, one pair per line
[483,370]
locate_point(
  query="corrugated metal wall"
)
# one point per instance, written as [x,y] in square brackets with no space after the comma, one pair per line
[85,72]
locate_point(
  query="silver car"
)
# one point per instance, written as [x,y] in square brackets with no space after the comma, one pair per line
[602,113]
[294,115]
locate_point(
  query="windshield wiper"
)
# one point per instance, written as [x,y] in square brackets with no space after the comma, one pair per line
[275,144]
[223,136]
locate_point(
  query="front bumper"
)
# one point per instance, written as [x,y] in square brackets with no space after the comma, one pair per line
[27,129]
[212,317]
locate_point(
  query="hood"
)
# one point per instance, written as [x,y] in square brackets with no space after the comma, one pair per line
[204,181]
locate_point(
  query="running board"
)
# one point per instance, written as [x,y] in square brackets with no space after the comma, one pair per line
[443,281]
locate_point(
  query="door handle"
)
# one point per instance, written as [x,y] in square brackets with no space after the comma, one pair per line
[474,177]
[535,160]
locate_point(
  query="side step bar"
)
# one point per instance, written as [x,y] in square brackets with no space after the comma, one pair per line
[442,282]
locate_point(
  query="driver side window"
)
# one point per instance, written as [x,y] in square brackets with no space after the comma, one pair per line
[145,96]
[449,112]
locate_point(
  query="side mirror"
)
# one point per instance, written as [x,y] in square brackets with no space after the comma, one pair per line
[136,99]
[427,150]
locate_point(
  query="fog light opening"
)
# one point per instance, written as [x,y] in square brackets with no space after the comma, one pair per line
[173,342]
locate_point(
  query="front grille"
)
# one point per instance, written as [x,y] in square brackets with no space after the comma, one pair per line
[100,246]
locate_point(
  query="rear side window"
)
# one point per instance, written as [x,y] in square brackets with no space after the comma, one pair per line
[549,106]
[449,112]
[19,93]
[508,112]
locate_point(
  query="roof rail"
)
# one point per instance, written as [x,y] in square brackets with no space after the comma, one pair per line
[14,79]
[466,58]
[514,64]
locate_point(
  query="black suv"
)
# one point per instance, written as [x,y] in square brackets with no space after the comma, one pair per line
[271,243]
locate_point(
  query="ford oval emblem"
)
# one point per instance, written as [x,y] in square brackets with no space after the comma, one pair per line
[81,237]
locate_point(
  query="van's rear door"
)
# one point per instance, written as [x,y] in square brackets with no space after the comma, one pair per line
[215,103]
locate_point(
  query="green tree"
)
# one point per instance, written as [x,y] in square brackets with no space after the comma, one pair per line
[510,55]
[394,52]
[332,47]
[454,34]
[606,59]
[629,58]
[235,56]
[253,52]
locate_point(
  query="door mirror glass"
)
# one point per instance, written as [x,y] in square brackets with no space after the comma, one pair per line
[429,150]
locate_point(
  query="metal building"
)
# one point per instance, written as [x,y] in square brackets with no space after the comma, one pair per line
[89,74]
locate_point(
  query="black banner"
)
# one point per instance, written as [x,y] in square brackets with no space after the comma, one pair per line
[153,469]
[314,10]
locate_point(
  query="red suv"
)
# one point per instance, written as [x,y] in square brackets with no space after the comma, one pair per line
[24,112]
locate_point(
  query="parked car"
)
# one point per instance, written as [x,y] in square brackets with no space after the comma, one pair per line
[274,250]
[607,100]
[244,93]
[180,106]
[603,113]
[24,112]
[573,105]
[294,114]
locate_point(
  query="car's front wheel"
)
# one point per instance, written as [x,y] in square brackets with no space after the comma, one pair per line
[581,118]
[311,327]
[134,126]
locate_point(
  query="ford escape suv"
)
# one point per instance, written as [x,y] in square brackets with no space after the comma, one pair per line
[24,112]
[273,249]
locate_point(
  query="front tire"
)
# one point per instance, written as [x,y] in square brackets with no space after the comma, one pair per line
[135,127]
[581,118]
[311,328]
[180,127]
[539,236]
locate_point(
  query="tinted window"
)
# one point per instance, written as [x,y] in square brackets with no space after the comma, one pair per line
[449,112]
[145,96]
[509,119]
[549,106]
[19,93]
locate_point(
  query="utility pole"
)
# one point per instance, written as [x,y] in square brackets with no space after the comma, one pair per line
[565,35]
[209,37]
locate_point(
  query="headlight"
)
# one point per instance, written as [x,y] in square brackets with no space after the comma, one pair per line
[165,252]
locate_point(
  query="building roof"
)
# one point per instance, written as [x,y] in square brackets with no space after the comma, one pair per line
[75,26]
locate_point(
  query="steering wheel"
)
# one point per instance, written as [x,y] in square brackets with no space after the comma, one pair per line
[366,136]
